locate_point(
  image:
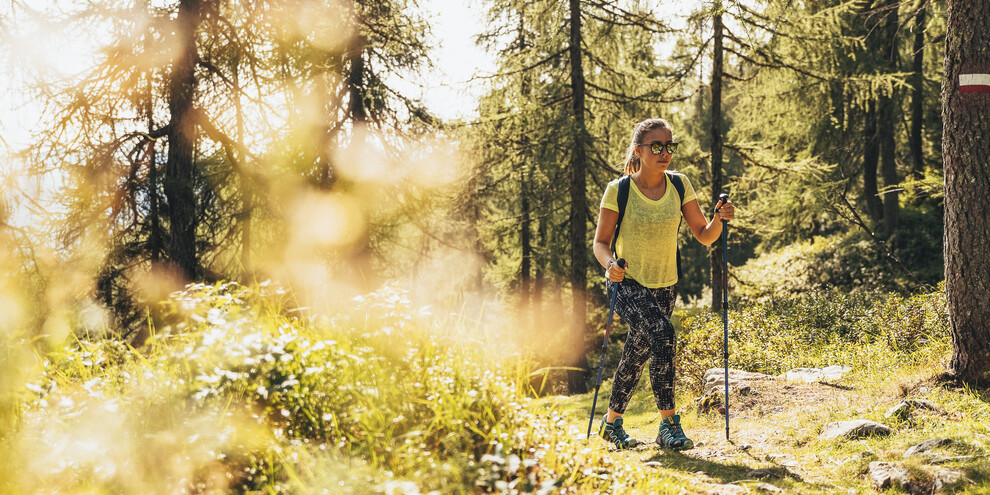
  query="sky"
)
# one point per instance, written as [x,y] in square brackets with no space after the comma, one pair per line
[451,94]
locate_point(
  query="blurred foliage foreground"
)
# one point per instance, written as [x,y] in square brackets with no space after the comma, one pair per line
[238,391]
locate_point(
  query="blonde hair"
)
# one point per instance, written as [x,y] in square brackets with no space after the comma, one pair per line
[632,161]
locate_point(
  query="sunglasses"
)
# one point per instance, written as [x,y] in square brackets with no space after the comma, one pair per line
[656,147]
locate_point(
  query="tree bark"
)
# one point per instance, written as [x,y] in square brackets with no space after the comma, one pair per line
[179,168]
[918,94]
[526,249]
[247,189]
[155,243]
[525,237]
[716,133]
[579,204]
[539,282]
[871,159]
[356,80]
[887,122]
[965,148]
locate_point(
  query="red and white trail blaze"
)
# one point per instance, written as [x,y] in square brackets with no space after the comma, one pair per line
[974,83]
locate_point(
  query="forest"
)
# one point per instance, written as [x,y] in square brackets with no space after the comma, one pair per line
[242,253]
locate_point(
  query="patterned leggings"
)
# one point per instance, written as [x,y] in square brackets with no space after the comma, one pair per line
[651,336]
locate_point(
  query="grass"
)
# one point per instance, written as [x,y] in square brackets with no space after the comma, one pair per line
[239,391]
[777,426]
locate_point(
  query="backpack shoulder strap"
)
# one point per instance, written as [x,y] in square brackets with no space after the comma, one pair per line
[678,184]
[621,200]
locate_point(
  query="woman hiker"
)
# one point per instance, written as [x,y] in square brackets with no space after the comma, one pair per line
[648,242]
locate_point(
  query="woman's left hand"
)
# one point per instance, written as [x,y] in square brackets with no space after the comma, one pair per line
[726,212]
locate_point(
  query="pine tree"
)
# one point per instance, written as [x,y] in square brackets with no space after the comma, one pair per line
[965,149]
[557,124]
[152,141]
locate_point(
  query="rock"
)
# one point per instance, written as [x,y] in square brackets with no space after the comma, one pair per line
[726,490]
[885,475]
[767,487]
[714,378]
[763,473]
[921,404]
[712,401]
[926,446]
[903,410]
[945,477]
[854,429]
[811,375]
[653,464]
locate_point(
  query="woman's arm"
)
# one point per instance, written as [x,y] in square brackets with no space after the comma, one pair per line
[706,232]
[603,242]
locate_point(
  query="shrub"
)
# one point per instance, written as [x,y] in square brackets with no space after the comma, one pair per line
[814,330]
[240,392]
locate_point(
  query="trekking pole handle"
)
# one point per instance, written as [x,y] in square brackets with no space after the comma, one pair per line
[611,307]
[722,199]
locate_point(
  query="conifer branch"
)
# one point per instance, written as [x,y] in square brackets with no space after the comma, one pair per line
[853,217]
[772,62]
[747,158]
[622,17]
[651,96]
[522,69]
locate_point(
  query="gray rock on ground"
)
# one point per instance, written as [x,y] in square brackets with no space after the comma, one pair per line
[926,446]
[945,477]
[921,404]
[885,475]
[726,490]
[811,375]
[763,473]
[904,409]
[854,429]
[714,378]
[768,488]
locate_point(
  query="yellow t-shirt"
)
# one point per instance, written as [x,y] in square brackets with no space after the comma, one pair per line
[648,237]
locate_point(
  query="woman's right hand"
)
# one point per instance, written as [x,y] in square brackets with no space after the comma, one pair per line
[615,272]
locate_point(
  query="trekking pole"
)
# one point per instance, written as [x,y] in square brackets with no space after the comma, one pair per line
[723,199]
[608,326]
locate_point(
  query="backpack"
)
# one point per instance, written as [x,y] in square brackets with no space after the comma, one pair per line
[624,198]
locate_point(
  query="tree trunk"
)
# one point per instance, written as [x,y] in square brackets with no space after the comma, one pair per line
[526,251]
[716,132]
[871,158]
[524,190]
[155,244]
[247,189]
[539,283]
[887,123]
[965,148]
[356,81]
[579,205]
[182,137]
[918,94]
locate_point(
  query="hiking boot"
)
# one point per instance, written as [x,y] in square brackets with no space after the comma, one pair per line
[614,434]
[672,435]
